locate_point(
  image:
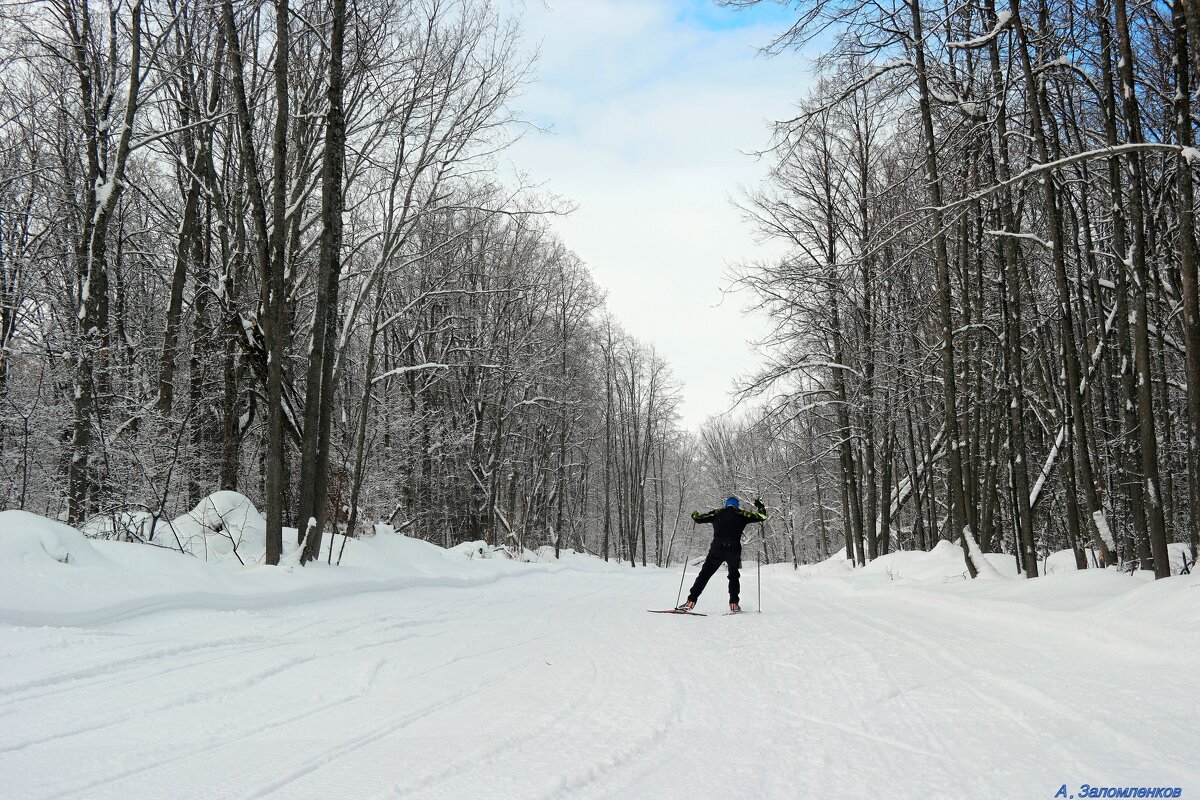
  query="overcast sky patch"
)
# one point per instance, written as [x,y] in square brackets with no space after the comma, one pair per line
[650,106]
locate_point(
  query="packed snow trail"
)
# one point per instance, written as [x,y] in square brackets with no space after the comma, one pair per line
[559,685]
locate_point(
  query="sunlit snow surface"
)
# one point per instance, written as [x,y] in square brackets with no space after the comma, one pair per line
[132,672]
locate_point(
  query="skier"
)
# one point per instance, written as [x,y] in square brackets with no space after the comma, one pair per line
[728,523]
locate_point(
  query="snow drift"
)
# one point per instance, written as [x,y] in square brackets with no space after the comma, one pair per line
[52,574]
[210,558]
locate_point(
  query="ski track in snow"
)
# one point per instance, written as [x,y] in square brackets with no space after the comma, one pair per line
[559,685]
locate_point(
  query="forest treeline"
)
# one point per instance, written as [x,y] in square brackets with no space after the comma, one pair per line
[985,328]
[272,248]
[269,247]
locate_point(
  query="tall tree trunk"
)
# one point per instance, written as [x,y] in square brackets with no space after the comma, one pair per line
[183,250]
[957,493]
[275,291]
[103,190]
[319,401]
[1142,276]
[1187,258]
[1129,452]
[1038,105]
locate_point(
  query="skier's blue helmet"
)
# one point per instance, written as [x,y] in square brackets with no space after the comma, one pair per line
[732,501]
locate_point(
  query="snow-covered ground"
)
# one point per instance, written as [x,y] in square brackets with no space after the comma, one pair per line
[411,671]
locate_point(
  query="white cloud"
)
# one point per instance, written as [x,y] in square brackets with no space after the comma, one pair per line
[649,113]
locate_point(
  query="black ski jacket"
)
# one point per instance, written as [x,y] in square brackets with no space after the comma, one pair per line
[729,522]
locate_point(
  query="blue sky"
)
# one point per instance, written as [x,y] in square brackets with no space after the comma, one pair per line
[650,106]
[708,15]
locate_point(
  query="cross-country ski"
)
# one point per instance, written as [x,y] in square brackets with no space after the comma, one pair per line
[676,611]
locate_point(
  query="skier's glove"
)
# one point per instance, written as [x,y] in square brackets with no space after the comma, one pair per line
[695,516]
[759,504]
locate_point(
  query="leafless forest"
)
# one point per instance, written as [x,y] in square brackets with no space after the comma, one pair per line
[988,323]
[271,248]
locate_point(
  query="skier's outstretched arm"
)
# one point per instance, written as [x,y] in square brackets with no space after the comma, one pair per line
[759,514]
[707,516]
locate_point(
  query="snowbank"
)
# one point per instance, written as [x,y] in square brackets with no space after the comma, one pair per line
[543,555]
[51,574]
[1103,597]
[39,544]
[943,562]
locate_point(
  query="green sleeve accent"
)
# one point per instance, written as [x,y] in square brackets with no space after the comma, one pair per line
[705,517]
[757,516]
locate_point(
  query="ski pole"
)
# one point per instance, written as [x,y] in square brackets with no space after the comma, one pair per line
[686,553]
[762,544]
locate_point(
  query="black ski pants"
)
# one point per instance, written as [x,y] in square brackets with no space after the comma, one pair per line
[720,553]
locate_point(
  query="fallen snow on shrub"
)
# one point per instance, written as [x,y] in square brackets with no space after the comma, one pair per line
[38,543]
